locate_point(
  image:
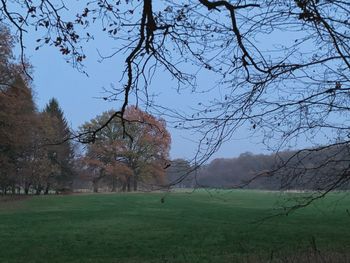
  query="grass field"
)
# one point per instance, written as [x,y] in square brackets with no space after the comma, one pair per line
[223,226]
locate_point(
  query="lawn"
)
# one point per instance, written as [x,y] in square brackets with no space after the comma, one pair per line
[219,226]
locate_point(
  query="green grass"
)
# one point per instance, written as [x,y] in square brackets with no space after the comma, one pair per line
[223,226]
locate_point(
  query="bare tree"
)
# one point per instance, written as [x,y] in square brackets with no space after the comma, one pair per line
[282,66]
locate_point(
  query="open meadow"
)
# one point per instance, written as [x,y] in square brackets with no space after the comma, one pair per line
[219,226]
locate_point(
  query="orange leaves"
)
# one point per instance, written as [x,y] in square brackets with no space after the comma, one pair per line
[149,132]
[118,169]
[140,156]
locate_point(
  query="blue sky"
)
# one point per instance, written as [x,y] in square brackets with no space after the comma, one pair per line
[80,96]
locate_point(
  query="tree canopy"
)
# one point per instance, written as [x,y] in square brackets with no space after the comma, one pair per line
[61,154]
[136,152]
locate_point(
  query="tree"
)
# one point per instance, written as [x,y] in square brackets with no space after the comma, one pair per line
[25,134]
[40,170]
[130,152]
[281,66]
[180,173]
[16,117]
[61,151]
[17,113]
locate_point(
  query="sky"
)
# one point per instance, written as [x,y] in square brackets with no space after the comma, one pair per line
[80,95]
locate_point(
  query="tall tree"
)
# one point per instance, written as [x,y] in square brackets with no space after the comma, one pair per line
[62,153]
[40,170]
[16,114]
[136,149]
[16,123]
[6,57]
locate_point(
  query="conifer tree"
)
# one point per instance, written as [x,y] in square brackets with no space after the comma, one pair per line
[62,153]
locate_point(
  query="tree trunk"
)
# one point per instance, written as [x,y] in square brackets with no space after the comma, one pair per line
[47,189]
[26,189]
[38,190]
[114,184]
[129,184]
[13,189]
[124,187]
[135,183]
[95,185]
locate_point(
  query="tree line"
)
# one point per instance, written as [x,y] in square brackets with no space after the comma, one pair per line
[37,153]
[34,155]
[307,169]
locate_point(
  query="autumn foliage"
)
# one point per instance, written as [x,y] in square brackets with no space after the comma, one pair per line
[29,160]
[36,151]
[128,152]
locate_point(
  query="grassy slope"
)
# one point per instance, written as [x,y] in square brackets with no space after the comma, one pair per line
[185,228]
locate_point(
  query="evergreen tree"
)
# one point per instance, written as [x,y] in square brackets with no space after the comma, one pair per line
[62,153]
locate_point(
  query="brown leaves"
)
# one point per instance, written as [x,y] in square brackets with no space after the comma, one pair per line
[141,156]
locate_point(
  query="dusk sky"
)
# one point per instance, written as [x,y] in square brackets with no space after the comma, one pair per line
[80,96]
